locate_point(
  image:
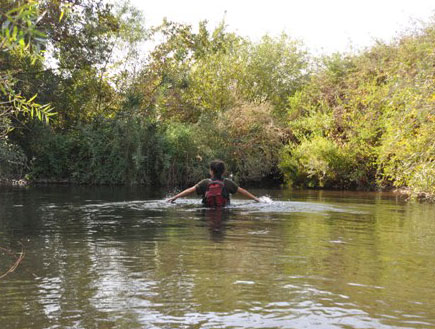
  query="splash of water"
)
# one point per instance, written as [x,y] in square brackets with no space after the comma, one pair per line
[266,205]
[266,199]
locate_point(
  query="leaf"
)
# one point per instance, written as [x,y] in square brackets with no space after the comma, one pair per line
[61,15]
[14,33]
[31,99]
[39,34]
[13,10]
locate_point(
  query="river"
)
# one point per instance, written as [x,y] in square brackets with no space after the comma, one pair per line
[117,257]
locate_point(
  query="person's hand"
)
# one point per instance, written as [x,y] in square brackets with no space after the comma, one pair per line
[171,200]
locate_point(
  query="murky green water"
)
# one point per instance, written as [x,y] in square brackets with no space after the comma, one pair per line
[122,258]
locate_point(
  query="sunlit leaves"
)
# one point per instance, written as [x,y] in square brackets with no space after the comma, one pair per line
[18,30]
[373,110]
[20,36]
[213,71]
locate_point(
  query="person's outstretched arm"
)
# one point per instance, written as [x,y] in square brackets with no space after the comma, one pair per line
[188,191]
[246,193]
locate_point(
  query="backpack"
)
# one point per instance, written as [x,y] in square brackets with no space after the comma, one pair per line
[215,194]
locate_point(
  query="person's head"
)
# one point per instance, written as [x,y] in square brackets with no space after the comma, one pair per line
[217,169]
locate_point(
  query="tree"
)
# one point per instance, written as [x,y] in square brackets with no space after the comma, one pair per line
[276,68]
[88,56]
[19,39]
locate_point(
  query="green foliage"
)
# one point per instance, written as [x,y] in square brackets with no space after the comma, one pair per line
[116,151]
[367,119]
[320,162]
[190,74]
[13,161]
[350,121]
[18,29]
[53,155]
[84,35]
[186,160]
[129,149]
[247,137]
[213,81]
[407,149]
[20,40]
[275,69]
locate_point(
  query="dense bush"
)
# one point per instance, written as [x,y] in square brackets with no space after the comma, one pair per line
[104,151]
[362,120]
[367,119]
[13,161]
[320,162]
[247,138]
[186,159]
[130,149]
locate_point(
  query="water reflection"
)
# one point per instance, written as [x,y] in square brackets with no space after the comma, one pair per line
[216,219]
[98,259]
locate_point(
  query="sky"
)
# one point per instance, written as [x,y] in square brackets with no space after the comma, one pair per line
[323,26]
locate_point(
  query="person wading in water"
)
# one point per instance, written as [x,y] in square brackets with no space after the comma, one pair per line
[215,191]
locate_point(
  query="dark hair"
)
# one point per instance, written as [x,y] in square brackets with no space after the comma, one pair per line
[218,168]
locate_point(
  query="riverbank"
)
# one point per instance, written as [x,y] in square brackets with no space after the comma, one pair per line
[408,194]
[349,121]
[405,194]
[13,182]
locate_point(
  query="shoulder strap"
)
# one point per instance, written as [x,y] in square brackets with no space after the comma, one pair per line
[215,182]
